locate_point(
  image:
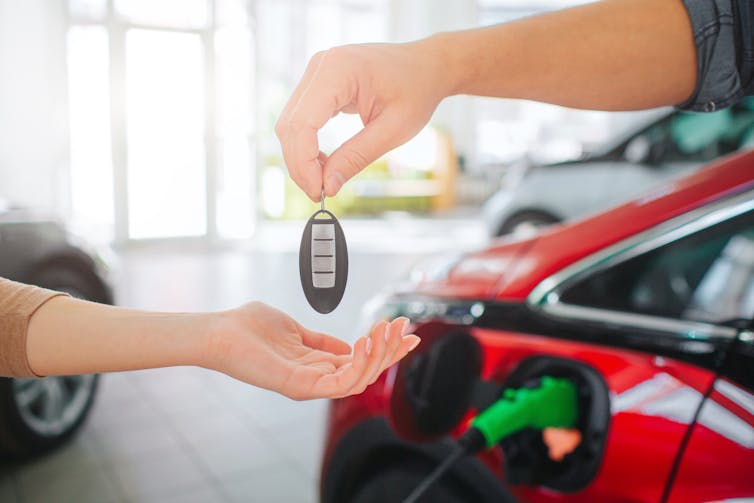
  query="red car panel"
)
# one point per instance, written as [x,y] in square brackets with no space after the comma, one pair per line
[639,385]
[720,443]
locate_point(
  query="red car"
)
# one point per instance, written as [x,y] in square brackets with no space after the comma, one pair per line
[647,309]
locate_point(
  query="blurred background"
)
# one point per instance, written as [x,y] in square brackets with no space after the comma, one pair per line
[144,130]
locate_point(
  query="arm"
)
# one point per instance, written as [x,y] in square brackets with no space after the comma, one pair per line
[610,55]
[254,343]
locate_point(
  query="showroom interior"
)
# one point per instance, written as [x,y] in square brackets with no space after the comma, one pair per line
[142,131]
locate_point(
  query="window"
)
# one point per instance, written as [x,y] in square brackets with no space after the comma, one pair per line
[707,276]
[692,137]
[161,105]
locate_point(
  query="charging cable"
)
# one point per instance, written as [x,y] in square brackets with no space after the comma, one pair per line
[552,403]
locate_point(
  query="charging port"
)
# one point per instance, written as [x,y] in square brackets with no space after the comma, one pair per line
[526,455]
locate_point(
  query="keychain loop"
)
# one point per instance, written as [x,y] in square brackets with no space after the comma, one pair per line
[322,200]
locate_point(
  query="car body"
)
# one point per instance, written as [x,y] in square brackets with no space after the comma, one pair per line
[37,415]
[648,308]
[665,145]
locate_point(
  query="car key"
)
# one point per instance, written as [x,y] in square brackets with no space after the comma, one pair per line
[323,260]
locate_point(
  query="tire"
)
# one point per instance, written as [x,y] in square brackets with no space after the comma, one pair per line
[26,429]
[527,223]
[397,482]
[39,415]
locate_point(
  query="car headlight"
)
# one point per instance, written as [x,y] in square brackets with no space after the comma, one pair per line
[420,309]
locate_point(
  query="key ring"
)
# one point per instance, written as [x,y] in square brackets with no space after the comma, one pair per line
[322,199]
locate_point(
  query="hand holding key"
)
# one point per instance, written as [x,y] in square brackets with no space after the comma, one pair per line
[393,87]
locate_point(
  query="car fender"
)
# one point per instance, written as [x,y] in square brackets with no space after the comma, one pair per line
[28,247]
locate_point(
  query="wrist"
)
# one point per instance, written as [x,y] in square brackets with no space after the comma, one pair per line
[213,346]
[448,51]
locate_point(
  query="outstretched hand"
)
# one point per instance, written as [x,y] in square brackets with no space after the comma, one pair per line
[265,347]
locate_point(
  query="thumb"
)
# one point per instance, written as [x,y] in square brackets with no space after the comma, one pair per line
[377,138]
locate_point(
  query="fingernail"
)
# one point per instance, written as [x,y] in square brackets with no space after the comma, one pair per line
[369,345]
[334,182]
[406,322]
[414,344]
[387,331]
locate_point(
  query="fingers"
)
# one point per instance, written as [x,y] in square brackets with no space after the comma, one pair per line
[368,354]
[339,383]
[378,137]
[385,346]
[323,92]
[324,342]
[311,69]
[408,344]
[376,351]
[394,337]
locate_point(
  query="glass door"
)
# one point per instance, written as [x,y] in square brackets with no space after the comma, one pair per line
[161,97]
[165,134]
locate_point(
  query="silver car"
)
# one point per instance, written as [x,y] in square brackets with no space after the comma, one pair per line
[654,153]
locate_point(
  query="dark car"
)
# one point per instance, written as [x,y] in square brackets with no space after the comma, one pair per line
[645,312]
[37,415]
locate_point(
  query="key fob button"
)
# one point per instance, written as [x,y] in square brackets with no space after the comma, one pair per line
[323,261]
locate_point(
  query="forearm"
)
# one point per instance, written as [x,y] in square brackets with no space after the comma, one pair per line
[610,55]
[70,336]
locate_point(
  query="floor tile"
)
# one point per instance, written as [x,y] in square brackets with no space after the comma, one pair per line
[158,475]
[133,443]
[221,422]
[304,448]
[274,484]
[207,494]
[77,456]
[227,456]
[93,486]
[130,412]
[7,489]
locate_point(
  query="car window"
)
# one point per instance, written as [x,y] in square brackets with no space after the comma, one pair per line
[707,276]
[690,137]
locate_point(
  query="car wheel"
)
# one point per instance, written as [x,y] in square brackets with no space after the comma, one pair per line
[37,415]
[527,223]
[395,483]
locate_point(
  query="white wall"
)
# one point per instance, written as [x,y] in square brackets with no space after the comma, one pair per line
[33,114]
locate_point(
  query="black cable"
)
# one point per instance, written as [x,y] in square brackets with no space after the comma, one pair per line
[439,472]
[722,357]
[684,442]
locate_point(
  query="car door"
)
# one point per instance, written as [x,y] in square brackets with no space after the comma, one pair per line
[717,461]
[679,292]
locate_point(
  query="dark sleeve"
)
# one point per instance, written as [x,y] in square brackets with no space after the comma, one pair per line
[724,37]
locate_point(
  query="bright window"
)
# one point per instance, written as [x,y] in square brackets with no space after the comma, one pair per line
[165,114]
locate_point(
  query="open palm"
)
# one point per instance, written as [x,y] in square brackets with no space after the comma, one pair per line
[265,347]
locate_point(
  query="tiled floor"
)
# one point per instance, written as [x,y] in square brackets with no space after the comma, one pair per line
[191,435]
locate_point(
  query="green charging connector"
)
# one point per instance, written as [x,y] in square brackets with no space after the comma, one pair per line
[552,404]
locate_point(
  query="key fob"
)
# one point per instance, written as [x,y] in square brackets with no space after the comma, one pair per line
[323,261]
